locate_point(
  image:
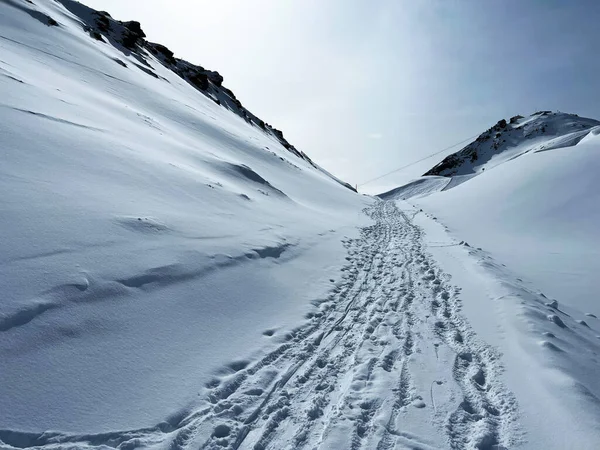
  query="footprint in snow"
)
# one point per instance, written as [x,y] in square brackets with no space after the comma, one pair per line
[221,431]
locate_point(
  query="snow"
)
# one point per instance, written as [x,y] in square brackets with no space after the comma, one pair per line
[530,269]
[150,236]
[418,188]
[504,141]
[176,276]
[551,370]
[538,214]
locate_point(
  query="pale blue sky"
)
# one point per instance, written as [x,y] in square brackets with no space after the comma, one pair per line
[366,86]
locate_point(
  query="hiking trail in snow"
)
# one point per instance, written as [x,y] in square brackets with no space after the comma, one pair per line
[387,361]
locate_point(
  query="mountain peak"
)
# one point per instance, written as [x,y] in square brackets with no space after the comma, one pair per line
[508,139]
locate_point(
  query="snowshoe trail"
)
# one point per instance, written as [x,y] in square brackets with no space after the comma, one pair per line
[387,362]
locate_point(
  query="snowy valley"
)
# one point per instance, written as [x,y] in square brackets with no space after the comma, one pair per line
[176,275]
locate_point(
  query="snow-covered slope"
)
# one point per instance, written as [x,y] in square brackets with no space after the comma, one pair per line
[531,224]
[150,235]
[175,275]
[539,212]
[418,188]
[504,141]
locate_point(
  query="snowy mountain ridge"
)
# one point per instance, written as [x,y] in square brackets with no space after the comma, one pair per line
[543,130]
[129,38]
[501,143]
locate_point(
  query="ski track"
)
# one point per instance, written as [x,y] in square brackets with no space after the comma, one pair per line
[346,375]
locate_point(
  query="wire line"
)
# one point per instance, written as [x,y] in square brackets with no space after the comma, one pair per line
[416,162]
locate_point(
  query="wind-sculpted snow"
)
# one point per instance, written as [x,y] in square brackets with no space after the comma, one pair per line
[150,227]
[386,361]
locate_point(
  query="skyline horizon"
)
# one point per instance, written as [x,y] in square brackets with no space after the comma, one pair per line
[360,88]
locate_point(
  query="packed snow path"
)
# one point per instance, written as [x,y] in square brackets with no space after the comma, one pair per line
[387,362]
